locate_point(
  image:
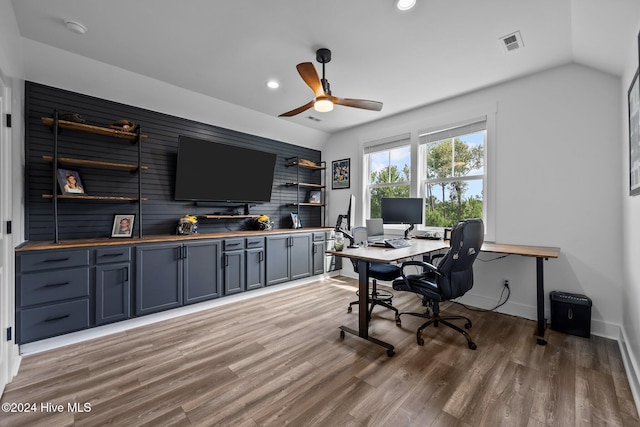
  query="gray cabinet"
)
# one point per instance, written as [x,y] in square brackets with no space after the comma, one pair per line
[317,253]
[233,266]
[201,271]
[112,284]
[52,293]
[168,275]
[254,263]
[159,271]
[288,257]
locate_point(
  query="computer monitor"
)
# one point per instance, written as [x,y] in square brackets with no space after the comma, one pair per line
[402,210]
[350,218]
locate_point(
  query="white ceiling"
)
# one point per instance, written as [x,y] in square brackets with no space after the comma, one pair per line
[441,49]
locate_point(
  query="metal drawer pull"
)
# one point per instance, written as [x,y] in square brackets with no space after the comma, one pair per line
[119,254]
[57,259]
[55,285]
[53,319]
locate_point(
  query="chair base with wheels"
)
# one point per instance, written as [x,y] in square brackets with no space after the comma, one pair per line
[377,297]
[435,319]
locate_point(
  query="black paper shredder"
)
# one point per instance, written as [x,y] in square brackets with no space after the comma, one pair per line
[571,313]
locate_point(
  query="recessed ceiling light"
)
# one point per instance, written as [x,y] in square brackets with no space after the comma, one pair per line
[75,27]
[404,4]
[272,84]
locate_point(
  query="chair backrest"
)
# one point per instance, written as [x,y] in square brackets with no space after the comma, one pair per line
[456,267]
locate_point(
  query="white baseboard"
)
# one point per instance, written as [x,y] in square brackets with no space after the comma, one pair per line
[631,367]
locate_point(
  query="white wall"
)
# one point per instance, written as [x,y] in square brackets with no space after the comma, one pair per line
[556,174]
[630,236]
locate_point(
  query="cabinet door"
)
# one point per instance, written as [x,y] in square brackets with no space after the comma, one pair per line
[158,277]
[202,271]
[254,259]
[233,272]
[300,256]
[277,253]
[113,292]
[318,257]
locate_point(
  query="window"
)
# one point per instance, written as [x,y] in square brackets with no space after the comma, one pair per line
[453,174]
[388,166]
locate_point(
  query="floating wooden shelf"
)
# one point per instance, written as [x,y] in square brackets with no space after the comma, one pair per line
[86,197]
[227,216]
[304,184]
[305,166]
[93,163]
[307,204]
[64,124]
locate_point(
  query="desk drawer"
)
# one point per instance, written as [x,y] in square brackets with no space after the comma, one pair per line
[111,255]
[233,244]
[254,242]
[49,286]
[48,260]
[52,320]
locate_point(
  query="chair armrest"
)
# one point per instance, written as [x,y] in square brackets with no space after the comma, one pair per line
[425,266]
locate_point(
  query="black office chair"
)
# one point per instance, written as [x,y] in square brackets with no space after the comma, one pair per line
[452,278]
[377,271]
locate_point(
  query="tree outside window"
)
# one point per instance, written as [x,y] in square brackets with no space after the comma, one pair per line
[454,177]
[389,176]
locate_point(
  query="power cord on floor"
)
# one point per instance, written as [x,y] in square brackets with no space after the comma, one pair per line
[500,302]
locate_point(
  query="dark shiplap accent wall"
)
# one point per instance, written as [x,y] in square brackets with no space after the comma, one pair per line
[92,219]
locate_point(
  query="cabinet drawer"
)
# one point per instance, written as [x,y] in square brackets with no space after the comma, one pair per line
[49,286]
[318,237]
[47,260]
[254,242]
[51,320]
[233,244]
[110,255]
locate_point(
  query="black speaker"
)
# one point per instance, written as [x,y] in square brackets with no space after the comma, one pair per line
[570,313]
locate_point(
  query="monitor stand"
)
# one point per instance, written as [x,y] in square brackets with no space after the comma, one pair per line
[406,232]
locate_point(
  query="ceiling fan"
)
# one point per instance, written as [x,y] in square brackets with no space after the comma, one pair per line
[324,101]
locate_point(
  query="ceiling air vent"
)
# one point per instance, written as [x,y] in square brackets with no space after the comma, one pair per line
[512,41]
[315,119]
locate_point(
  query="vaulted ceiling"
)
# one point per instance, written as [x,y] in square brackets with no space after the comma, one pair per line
[440,49]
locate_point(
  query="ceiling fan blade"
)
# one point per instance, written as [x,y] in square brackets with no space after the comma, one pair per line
[297,110]
[358,103]
[310,76]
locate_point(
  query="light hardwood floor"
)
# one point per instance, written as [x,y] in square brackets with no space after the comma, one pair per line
[279,360]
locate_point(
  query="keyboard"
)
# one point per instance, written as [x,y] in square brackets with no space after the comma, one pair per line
[393,243]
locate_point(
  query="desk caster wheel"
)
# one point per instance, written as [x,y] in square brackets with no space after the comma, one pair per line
[467,325]
[472,346]
[420,341]
[341,334]
[349,310]
[390,353]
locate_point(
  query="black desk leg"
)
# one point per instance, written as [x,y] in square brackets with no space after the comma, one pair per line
[540,294]
[363,309]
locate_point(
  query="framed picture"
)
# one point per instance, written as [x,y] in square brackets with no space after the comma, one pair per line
[295,221]
[70,182]
[314,196]
[634,136]
[341,174]
[122,225]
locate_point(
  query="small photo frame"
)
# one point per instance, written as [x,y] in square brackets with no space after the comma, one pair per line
[634,136]
[122,225]
[295,221]
[70,182]
[341,174]
[314,196]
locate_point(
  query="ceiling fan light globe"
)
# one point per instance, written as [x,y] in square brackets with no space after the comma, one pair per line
[323,105]
[404,4]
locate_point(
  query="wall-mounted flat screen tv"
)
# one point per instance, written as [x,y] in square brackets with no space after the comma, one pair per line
[215,172]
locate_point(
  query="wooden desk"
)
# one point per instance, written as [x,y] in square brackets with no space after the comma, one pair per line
[366,255]
[541,253]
